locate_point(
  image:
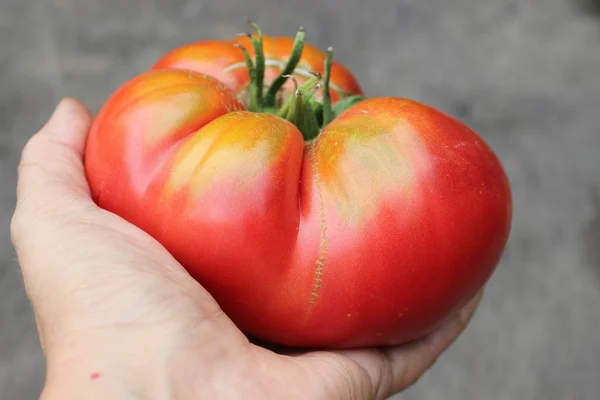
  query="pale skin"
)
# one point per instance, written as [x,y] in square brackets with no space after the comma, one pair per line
[119,318]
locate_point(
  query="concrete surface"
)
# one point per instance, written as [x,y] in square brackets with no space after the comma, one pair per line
[524,73]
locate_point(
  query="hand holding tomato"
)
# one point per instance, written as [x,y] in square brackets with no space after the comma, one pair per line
[120,318]
[316,217]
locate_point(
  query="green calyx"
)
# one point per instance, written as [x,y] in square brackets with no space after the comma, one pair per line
[301,108]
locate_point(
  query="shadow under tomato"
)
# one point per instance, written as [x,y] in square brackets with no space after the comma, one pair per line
[278,349]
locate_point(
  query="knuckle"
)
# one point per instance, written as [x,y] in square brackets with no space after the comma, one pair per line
[30,153]
[32,144]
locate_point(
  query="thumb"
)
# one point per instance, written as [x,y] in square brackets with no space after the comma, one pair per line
[51,181]
[51,168]
[68,124]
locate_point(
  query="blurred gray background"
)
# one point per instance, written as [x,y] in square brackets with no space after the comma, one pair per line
[523,73]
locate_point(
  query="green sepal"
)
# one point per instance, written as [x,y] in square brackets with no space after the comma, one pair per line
[346,103]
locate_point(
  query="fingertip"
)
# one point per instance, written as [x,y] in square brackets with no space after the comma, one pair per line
[442,339]
[68,109]
[69,123]
[73,106]
[413,359]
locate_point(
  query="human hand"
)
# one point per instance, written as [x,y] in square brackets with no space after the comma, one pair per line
[120,318]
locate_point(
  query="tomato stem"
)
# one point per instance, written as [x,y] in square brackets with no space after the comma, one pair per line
[307,86]
[327,111]
[311,128]
[251,73]
[286,106]
[298,109]
[347,102]
[289,68]
[311,93]
[257,43]
[295,112]
[302,109]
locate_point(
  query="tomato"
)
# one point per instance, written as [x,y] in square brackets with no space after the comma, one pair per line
[222,60]
[316,217]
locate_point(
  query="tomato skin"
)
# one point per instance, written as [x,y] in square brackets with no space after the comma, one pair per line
[416,211]
[222,60]
[372,234]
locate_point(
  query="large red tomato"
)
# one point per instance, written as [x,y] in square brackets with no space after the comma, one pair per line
[363,224]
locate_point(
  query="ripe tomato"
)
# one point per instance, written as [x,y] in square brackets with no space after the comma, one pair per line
[224,61]
[314,216]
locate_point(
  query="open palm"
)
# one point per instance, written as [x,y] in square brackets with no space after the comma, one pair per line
[119,317]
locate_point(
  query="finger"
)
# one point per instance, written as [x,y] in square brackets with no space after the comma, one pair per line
[51,168]
[409,363]
[50,174]
[51,182]
[68,124]
[384,372]
[394,369]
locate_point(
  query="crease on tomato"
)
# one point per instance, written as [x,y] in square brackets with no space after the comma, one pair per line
[323,239]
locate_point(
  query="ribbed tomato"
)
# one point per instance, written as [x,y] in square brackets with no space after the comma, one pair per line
[315,217]
[224,61]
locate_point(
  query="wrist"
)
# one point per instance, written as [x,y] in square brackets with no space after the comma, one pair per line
[107,365]
[141,363]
